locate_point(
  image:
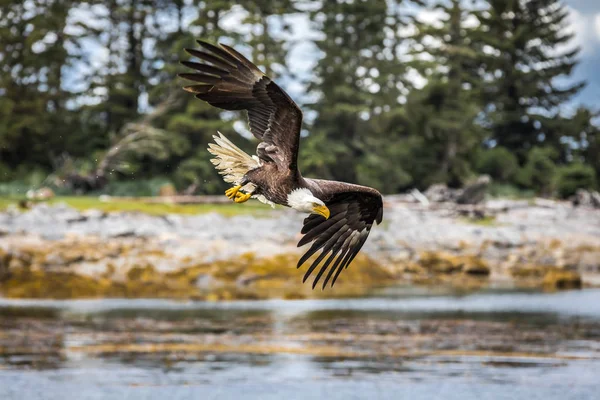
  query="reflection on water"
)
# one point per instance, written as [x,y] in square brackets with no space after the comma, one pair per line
[491,345]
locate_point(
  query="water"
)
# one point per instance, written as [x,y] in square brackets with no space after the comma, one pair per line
[396,345]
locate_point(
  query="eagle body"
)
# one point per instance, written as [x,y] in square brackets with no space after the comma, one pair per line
[340,214]
[273,183]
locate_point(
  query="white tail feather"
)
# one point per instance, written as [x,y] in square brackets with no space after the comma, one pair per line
[233,164]
[230,160]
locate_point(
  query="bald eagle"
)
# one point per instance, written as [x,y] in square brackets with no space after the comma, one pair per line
[340,214]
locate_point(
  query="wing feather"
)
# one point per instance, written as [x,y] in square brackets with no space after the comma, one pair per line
[353,210]
[230,81]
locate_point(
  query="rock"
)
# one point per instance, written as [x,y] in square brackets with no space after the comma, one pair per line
[561,280]
[4,264]
[475,193]
[206,282]
[40,194]
[596,199]
[527,271]
[475,266]
[586,198]
[94,214]
[439,262]
[440,193]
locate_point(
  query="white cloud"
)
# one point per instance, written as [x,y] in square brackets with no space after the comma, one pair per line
[583,26]
[431,17]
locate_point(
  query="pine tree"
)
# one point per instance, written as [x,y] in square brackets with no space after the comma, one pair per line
[192,122]
[34,120]
[358,83]
[444,112]
[521,46]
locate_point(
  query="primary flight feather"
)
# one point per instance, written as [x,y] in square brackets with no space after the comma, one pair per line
[340,214]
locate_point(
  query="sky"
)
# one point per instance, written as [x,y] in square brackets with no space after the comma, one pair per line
[584,22]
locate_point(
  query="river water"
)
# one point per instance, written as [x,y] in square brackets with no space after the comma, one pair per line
[399,344]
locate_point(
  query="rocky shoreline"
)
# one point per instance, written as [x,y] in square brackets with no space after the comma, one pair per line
[59,252]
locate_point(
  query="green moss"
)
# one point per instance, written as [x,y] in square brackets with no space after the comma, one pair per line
[244,277]
[85,203]
[529,271]
[485,221]
[439,262]
[560,280]
[547,277]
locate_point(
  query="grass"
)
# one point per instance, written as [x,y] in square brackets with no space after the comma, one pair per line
[86,203]
[485,221]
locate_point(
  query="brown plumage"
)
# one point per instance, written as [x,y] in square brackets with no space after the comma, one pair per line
[226,79]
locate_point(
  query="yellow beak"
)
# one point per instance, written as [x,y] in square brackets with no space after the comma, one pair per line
[321,210]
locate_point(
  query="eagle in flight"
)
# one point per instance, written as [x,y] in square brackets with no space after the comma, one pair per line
[340,214]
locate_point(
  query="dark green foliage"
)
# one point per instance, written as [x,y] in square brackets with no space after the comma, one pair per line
[499,163]
[538,172]
[358,82]
[34,122]
[573,177]
[444,112]
[386,104]
[518,48]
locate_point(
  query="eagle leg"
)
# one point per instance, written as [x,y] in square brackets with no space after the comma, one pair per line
[232,192]
[242,197]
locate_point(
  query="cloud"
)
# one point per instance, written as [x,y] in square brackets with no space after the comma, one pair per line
[586,29]
[431,17]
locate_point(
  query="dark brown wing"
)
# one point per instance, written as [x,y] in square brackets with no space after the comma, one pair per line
[340,237]
[226,79]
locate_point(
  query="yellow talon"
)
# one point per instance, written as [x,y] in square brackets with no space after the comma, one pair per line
[242,197]
[232,192]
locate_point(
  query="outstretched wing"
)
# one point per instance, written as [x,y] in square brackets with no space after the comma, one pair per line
[340,237]
[226,79]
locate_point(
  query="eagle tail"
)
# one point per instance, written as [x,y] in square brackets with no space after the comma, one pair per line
[231,161]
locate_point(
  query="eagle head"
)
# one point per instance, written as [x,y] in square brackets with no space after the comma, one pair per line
[304,201]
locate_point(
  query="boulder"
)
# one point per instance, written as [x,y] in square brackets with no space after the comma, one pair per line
[440,193]
[475,192]
[586,198]
[561,280]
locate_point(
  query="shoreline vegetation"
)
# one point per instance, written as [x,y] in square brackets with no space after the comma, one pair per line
[94,248]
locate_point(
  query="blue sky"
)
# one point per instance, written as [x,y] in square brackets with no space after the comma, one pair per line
[585,22]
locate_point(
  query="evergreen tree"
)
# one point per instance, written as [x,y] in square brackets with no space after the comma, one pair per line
[191,122]
[520,45]
[444,113]
[34,121]
[358,83]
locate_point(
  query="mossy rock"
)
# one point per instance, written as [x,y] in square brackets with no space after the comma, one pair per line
[529,271]
[244,277]
[440,262]
[562,280]
[444,263]
[4,263]
[473,265]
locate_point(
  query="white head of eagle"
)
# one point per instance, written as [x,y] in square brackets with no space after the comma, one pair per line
[304,201]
